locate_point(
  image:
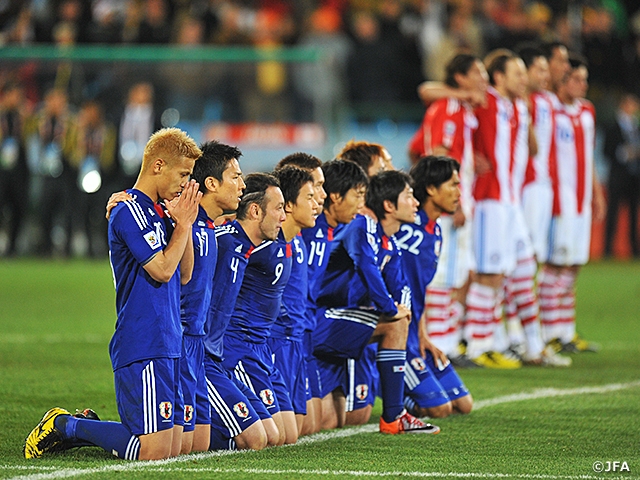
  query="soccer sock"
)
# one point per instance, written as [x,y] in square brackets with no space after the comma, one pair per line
[438,309]
[113,437]
[514,326]
[481,302]
[549,292]
[567,305]
[522,287]
[391,365]
[219,441]
[410,405]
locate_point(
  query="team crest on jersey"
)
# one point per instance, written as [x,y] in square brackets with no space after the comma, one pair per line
[495,258]
[166,410]
[241,409]
[152,239]
[188,413]
[362,391]
[418,364]
[267,397]
[437,247]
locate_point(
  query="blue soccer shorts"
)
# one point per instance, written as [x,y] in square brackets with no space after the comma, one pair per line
[193,383]
[289,359]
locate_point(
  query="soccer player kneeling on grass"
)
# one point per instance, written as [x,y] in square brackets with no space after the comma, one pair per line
[355,305]
[146,246]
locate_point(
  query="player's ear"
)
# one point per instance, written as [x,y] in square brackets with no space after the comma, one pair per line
[388,206]
[254,211]
[288,207]
[335,197]
[158,164]
[211,184]
[431,190]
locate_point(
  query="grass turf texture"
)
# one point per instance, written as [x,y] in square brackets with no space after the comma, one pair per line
[56,320]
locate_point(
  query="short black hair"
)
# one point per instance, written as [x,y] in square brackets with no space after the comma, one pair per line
[213,162]
[460,64]
[529,53]
[385,185]
[292,179]
[499,64]
[340,176]
[576,61]
[255,192]
[431,170]
[302,160]
[361,153]
[549,47]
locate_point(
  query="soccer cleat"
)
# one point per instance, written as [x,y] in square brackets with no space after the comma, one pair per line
[45,437]
[556,345]
[462,361]
[407,423]
[548,358]
[497,360]
[579,345]
[87,414]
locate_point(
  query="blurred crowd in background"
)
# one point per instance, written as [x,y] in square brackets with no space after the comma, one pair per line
[80,128]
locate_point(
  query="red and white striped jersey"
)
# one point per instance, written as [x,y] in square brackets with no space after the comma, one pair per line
[574,147]
[543,125]
[492,139]
[450,123]
[520,152]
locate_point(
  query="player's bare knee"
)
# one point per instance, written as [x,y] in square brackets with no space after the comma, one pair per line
[358,417]
[463,405]
[441,411]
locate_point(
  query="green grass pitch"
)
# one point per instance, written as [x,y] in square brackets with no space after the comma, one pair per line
[56,319]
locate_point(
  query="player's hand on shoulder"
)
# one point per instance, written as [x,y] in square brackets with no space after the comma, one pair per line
[184,208]
[114,200]
[403,312]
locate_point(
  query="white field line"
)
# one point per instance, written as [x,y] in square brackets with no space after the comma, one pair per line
[166,465]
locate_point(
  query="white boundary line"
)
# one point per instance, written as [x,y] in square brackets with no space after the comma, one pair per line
[165,465]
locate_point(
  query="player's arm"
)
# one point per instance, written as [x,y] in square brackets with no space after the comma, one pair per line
[533,141]
[426,345]
[187,262]
[184,212]
[599,201]
[360,251]
[431,91]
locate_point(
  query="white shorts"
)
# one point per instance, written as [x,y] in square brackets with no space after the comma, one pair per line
[537,202]
[570,239]
[521,235]
[493,240]
[456,255]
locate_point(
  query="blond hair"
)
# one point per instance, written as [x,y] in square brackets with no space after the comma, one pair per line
[171,145]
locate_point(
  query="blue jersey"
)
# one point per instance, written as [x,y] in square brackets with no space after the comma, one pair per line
[317,241]
[391,267]
[234,250]
[196,295]
[293,317]
[258,302]
[352,277]
[420,243]
[148,324]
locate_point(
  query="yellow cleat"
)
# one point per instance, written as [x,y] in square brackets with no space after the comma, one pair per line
[45,437]
[497,360]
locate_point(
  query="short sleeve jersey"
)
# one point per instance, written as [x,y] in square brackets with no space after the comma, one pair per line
[317,241]
[265,279]
[148,324]
[352,277]
[293,318]
[234,250]
[575,145]
[196,295]
[492,140]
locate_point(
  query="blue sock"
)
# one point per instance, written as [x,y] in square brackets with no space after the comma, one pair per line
[391,367]
[218,441]
[111,436]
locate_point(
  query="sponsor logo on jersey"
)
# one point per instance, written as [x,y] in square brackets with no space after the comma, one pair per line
[319,234]
[166,410]
[188,413]
[151,212]
[239,249]
[362,391]
[152,239]
[267,397]
[241,409]
[418,364]
[280,253]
